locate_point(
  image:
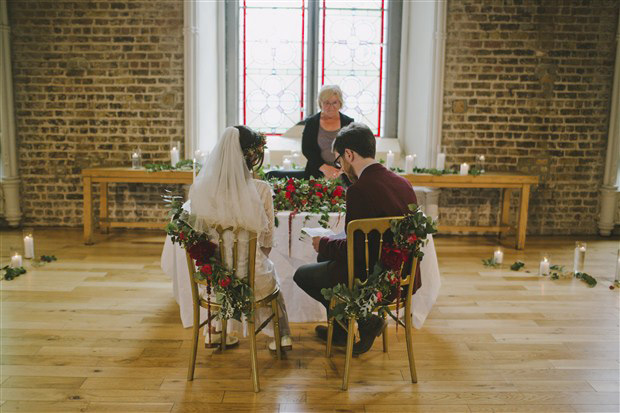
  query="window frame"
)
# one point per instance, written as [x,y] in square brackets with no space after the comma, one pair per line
[393,46]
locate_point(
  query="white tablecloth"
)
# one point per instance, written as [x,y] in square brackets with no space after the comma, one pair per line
[300,307]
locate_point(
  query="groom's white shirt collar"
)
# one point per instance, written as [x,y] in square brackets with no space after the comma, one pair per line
[364,168]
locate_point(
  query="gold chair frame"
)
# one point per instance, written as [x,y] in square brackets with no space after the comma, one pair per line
[199,302]
[366,226]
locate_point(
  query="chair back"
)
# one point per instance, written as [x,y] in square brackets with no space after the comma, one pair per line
[229,255]
[379,227]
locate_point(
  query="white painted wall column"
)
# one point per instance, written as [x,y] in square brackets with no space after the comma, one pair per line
[421,84]
[609,189]
[9,177]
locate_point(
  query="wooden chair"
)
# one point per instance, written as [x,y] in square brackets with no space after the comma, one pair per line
[367,226]
[199,302]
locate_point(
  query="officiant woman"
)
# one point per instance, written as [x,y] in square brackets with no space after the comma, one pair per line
[319,133]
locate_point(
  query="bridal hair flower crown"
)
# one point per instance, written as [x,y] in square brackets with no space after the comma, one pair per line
[257,147]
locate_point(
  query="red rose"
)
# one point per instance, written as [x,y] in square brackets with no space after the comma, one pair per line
[334,202]
[202,251]
[412,239]
[290,187]
[338,191]
[319,194]
[318,186]
[182,236]
[325,189]
[304,201]
[225,282]
[312,182]
[206,269]
[393,258]
[379,296]
[287,195]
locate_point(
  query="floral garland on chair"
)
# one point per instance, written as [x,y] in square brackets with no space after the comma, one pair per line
[409,235]
[234,295]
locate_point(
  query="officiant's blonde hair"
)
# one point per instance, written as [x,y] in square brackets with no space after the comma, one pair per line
[328,91]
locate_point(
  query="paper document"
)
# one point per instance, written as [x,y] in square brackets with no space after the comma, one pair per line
[317,232]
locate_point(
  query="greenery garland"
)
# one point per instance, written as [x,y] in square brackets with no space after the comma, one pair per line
[409,235]
[233,294]
[184,165]
[11,273]
[437,172]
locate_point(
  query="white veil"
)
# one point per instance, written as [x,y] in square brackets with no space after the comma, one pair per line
[224,192]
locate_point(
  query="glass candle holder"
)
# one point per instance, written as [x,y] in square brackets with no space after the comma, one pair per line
[481,162]
[28,234]
[545,264]
[136,159]
[580,256]
[498,255]
[175,153]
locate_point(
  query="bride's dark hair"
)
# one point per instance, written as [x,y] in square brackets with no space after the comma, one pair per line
[250,141]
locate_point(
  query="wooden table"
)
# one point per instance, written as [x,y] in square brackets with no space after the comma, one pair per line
[104,176]
[507,183]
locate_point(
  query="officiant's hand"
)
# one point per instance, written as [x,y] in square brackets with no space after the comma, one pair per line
[315,243]
[330,172]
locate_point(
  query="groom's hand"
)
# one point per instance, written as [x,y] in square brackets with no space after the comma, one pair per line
[315,243]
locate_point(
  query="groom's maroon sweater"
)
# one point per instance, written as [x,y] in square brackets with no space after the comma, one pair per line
[377,193]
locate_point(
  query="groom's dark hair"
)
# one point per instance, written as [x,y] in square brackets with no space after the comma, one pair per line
[248,138]
[357,137]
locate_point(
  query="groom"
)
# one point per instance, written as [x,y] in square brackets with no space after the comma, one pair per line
[376,192]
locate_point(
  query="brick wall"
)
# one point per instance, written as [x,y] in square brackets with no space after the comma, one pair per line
[528,84]
[93,80]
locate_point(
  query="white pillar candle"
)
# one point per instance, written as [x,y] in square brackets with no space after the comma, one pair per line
[498,256]
[28,246]
[441,161]
[543,269]
[287,165]
[174,156]
[409,163]
[390,160]
[464,169]
[580,256]
[267,157]
[16,260]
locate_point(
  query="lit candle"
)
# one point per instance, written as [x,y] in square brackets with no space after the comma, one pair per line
[16,260]
[481,159]
[464,169]
[441,161]
[287,165]
[135,160]
[389,164]
[543,269]
[296,158]
[409,163]
[498,256]
[28,246]
[267,157]
[580,256]
[174,156]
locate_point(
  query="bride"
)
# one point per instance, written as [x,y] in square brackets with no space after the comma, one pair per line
[224,193]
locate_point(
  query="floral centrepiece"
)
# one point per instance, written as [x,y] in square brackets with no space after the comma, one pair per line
[234,295]
[317,196]
[410,234]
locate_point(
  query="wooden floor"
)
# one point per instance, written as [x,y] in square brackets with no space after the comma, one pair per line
[98,330]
